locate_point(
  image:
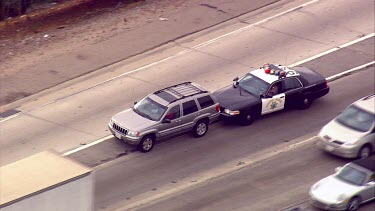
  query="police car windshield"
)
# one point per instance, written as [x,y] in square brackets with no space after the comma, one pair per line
[253,84]
[356,118]
[149,109]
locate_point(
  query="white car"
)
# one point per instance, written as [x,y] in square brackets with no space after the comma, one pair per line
[351,134]
[351,186]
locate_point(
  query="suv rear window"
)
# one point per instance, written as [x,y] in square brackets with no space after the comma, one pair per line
[205,101]
[189,107]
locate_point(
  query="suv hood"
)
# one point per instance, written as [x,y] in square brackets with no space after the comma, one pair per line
[130,120]
[330,188]
[337,131]
[235,97]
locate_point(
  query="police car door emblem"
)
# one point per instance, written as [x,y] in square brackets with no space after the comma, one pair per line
[272,104]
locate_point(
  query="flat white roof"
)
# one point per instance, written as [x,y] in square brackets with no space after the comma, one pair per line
[37,173]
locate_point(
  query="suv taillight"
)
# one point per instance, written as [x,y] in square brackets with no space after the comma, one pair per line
[326,83]
[218,108]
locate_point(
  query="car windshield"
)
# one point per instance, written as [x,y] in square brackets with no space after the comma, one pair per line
[149,109]
[356,118]
[253,84]
[351,175]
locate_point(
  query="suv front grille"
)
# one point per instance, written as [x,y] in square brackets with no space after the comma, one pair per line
[119,129]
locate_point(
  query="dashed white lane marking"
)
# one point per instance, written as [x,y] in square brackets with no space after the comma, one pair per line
[333,50]
[331,78]
[152,197]
[88,145]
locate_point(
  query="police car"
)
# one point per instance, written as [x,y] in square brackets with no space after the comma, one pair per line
[268,89]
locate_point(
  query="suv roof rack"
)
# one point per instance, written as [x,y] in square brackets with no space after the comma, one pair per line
[183,90]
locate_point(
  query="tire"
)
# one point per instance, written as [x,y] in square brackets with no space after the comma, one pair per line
[353,204]
[200,129]
[146,144]
[364,152]
[305,103]
[247,118]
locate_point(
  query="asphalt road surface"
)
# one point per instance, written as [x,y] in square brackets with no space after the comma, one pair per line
[214,172]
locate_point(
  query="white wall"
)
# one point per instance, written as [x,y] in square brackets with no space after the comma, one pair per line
[77,195]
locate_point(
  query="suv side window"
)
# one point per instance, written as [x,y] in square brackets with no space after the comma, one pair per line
[189,107]
[205,101]
[290,84]
[173,113]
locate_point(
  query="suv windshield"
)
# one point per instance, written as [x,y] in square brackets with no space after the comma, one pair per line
[149,109]
[253,84]
[351,175]
[356,118]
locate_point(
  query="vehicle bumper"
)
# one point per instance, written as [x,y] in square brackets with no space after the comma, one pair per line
[316,202]
[339,150]
[321,93]
[325,206]
[226,117]
[125,138]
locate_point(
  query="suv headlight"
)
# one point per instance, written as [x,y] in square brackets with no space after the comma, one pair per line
[230,112]
[132,133]
[111,122]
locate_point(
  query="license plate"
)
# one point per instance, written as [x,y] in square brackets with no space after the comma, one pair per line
[330,148]
[118,135]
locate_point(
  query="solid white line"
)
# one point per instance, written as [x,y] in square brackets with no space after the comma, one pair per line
[88,145]
[333,50]
[331,78]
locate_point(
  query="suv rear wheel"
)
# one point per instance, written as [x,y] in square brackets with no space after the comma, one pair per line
[146,143]
[201,128]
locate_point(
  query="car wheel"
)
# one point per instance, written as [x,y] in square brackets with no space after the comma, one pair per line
[146,143]
[305,103]
[247,119]
[364,152]
[353,204]
[200,129]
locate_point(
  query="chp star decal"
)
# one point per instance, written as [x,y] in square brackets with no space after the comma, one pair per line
[272,104]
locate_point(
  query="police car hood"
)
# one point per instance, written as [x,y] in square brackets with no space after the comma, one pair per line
[336,131]
[330,188]
[130,120]
[235,98]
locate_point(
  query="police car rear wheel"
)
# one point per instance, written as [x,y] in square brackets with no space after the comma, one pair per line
[247,119]
[305,102]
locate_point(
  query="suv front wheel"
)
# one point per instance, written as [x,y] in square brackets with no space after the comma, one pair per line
[200,129]
[146,143]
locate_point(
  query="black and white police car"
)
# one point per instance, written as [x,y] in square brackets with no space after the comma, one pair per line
[268,89]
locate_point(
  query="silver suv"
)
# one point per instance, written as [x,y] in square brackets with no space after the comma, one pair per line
[164,113]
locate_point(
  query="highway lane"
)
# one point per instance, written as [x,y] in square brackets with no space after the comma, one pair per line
[279,183]
[175,163]
[288,38]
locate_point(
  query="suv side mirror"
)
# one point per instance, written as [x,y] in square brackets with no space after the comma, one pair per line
[166,121]
[235,79]
[135,102]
